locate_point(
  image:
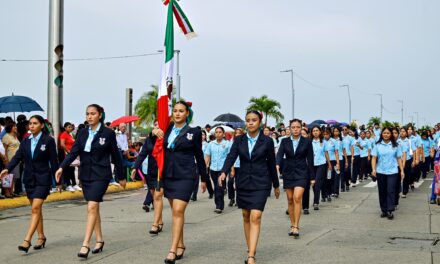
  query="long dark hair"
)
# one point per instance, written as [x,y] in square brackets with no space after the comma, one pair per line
[393,140]
[355,133]
[42,121]
[320,133]
[100,110]
[340,133]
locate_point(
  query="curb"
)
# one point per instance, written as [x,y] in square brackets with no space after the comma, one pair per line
[56,197]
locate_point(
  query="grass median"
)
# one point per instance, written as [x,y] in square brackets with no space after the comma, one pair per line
[65,195]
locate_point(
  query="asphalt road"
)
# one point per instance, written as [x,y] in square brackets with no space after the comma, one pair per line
[347,230]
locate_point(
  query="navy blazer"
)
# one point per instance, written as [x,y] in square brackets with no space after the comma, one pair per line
[96,164]
[257,172]
[147,151]
[179,161]
[38,170]
[298,165]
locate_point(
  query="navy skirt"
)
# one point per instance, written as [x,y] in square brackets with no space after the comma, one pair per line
[152,182]
[252,199]
[292,183]
[180,189]
[94,190]
[37,191]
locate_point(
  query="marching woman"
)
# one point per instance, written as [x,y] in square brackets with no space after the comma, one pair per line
[348,148]
[297,172]
[152,183]
[95,146]
[371,143]
[333,163]
[183,148]
[428,151]
[365,155]
[197,183]
[235,171]
[386,160]
[339,171]
[38,152]
[403,142]
[215,157]
[415,146]
[257,176]
[356,158]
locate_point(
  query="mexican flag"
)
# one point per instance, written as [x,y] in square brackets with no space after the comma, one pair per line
[164,99]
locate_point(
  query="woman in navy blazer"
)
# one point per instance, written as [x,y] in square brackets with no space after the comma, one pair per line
[96,147]
[297,171]
[38,152]
[183,147]
[154,186]
[257,177]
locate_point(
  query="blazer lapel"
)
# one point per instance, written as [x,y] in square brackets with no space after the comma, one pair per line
[298,148]
[37,148]
[181,134]
[244,141]
[97,135]
[258,143]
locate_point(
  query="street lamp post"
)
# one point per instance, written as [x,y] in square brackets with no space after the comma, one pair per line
[401,109]
[417,118]
[381,106]
[349,101]
[293,91]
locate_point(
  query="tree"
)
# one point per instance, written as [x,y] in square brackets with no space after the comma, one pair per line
[373,120]
[269,108]
[146,106]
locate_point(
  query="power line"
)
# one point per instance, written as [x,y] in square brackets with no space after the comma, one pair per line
[86,59]
[310,83]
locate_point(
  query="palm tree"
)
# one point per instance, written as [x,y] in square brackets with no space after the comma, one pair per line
[268,106]
[374,120]
[146,106]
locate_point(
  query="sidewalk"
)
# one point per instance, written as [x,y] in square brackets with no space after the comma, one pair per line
[65,195]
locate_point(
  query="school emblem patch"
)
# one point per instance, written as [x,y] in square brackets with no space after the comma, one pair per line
[189,136]
[101,141]
[43,147]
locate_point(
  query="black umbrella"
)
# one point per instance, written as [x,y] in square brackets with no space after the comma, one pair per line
[319,122]
[228,118]
[17,103]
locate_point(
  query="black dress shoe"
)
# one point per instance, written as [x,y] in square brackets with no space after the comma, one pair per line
[84,255]
[146,208]
[42,245]
[25,249]
[306,211]
[287,212]
[178,257]
[329,199]
[211,196]
[218,211]
[194,198]
[98,250]
[432,201]
[383,214]
[231,202]
[315,207]
[390,216]
[171,261]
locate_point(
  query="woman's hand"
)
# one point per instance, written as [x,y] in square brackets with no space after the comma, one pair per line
[402,175]
[58,174]
[203,187]
[373,173]
[123,183]
[3,173]
[221,179]
[277,193]
[158,133]
[346,164]
[133,175]
[312,183]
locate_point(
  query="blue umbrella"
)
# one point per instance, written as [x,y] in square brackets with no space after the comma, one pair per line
[17,103]
[319,122]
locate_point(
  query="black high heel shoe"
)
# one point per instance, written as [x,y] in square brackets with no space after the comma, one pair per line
[247,259]
[294,234]
[42,245]
[178,257]
[171,261]
[158,229]
[84,255]
[98,250]
[25,249]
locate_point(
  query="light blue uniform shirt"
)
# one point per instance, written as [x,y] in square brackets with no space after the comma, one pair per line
[204,147]
[173,135]
[404,145]
[365,144]
[347,142]
[319,149]
[377,132]
[387,158]
[331,147]
[295,143]
[357,150]
[427,145]
[92,134]
[251,143]
[218,153]
[415,143]
[34,142]
[338,143]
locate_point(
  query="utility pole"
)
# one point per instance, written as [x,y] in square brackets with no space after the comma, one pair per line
[293,91]
[55,65]
[381,106]
[412,118]
[349,101]
[417,118]
[401,109]
[129,108]
[177,76]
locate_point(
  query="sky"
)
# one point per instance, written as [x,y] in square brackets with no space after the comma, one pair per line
[389,47]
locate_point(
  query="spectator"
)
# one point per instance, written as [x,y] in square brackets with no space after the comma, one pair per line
[66,142]
[11,144]
[122,141]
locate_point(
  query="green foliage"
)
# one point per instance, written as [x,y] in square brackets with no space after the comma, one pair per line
[387,123]
[423,128]
[269,108]
[373,120]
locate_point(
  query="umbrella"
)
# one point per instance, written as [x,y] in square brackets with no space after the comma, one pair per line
[319,122]
[332,122]
[343,124]
[124,119]
[228,118]
[226,128]
[17,103]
